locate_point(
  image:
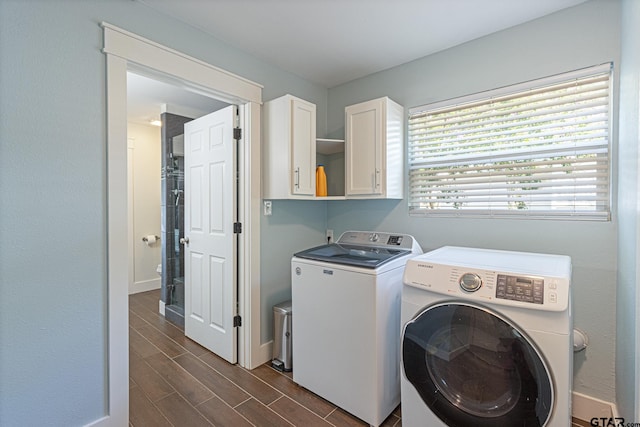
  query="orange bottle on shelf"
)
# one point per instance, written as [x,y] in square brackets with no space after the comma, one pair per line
[321,182]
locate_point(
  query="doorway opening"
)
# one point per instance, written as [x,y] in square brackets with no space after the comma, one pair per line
[125,52]
[156,115]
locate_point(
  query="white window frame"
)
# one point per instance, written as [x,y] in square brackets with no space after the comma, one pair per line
[489,178]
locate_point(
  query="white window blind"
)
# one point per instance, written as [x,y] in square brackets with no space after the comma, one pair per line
[539,149]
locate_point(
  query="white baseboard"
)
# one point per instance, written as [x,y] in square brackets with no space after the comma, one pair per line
[161,307]
[144,286]
[263,355]
[586,407]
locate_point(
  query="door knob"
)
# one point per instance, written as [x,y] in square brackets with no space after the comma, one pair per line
[184,240]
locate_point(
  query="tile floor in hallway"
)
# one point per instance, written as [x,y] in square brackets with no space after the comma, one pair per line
[176,382]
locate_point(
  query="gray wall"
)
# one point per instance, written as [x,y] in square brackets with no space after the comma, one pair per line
[627,293]
[582,36]
[295,225]
[53,187]
[53,270]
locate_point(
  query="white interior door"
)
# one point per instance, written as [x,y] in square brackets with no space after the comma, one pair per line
[210,241]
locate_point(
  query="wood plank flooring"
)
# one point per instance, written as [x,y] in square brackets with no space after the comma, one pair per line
[176,382]
[173,381]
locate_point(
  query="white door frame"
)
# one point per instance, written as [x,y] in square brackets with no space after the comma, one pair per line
[127,51]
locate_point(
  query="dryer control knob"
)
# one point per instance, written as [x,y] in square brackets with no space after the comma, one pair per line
[470,282]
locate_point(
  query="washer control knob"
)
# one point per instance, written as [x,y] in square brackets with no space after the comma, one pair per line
[470,282]
[374,237]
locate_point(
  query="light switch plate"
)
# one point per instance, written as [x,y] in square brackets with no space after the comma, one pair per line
[267,207]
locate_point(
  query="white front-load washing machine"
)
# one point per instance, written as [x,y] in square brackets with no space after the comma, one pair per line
[487,339]
[346,320]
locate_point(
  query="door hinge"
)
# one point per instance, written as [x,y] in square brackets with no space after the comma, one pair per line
[237,321]
[237,227]
[237,133]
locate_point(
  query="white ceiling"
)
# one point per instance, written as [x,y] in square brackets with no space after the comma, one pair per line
[146,98]
[329,42]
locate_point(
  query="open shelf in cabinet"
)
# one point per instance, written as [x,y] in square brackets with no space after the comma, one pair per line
[330,153]
[329,146]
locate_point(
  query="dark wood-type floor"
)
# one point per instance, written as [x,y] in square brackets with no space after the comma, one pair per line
[176,382]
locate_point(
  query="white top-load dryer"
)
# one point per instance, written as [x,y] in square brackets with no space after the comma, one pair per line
[487,339]
[346,320]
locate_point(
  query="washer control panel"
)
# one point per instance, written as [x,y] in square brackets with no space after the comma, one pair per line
[380,239]
[535,286]
[470,282]
[520,288]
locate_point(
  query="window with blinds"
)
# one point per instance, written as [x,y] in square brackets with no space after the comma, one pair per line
[538,149]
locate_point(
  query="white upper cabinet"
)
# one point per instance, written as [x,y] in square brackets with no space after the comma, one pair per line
[368,164]
[374,155]
[290,148]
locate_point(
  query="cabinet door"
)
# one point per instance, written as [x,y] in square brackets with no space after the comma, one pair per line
[364,129]
[303,148]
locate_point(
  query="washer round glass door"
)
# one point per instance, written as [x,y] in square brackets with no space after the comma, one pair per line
[473,368]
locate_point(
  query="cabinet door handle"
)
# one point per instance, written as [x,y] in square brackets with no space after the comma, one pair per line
[296,180]
[377,178]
